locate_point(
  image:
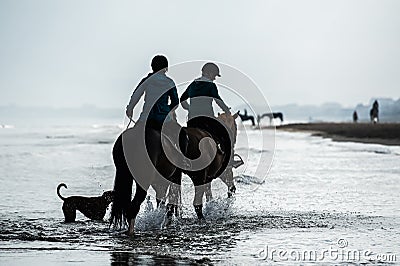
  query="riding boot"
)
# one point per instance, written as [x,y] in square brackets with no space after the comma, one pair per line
[199,211]
[231,191]
[178,211]
[160,203]
[170,210]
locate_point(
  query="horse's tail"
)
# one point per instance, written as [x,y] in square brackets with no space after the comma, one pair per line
[58,190]
[122,186]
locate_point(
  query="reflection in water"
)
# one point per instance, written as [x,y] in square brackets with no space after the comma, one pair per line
[130,258]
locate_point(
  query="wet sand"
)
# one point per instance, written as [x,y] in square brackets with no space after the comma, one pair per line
[383,133]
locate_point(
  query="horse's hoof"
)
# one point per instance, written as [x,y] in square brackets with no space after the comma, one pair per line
[131,228]
[166,222]
[178,212]
[129,233]
[231,192]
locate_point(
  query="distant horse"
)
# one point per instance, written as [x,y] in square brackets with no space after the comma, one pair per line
[246,117]
[374,112]
[124,210]
[271,116]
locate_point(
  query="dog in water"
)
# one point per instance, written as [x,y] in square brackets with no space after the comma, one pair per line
[92,207]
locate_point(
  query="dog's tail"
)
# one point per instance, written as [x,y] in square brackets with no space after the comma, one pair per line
[122,187]
[58,190]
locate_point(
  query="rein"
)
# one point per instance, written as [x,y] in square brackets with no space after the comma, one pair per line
[130,120]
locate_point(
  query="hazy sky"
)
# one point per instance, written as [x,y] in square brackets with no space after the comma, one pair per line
[69,53]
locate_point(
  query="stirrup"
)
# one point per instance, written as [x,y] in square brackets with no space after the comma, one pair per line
[238,162]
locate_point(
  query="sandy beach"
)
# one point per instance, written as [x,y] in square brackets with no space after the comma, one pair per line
[383,133]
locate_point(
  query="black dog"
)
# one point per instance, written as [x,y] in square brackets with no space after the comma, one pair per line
[92,207]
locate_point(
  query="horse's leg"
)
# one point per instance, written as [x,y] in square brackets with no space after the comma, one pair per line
[145,176]
[174,194]
[161,188]
[227,178]
[198,201]
[208,192]
[140,196]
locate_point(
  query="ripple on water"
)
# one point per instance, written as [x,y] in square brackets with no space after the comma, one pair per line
[198,242]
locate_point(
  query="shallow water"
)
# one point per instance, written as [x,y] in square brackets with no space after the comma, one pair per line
[318,196]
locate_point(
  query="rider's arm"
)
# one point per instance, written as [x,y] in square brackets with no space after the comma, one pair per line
[218,100]
[173,95]
[137,93]
[184,98]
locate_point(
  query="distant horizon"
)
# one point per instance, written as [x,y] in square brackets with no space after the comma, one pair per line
[329,111]
[93,105]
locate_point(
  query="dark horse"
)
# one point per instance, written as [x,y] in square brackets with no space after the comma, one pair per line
[145,161]
[246,117]
[271,116]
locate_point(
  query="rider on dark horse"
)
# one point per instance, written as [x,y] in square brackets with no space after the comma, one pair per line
[158,89]
[202,92]
[133,143]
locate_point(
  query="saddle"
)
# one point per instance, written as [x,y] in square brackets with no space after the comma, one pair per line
[218,132]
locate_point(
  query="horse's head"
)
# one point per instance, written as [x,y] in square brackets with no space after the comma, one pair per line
[229,121]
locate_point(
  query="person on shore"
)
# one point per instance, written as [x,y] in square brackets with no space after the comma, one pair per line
[355,116]
[374,112]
